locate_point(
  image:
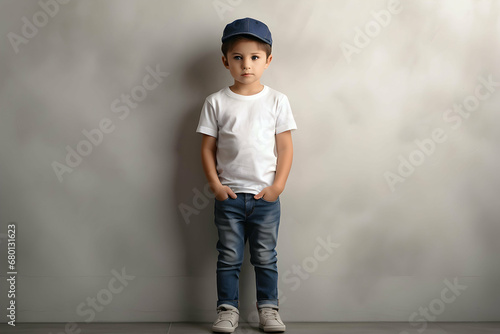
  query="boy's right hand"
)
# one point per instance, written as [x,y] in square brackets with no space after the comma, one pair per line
[223,192]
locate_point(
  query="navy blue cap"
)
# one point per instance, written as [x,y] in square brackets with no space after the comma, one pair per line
[248,26]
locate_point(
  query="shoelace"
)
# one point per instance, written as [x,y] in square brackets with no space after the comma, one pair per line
[269,313]
[226,315]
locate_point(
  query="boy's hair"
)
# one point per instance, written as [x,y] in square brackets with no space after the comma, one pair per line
[228,44]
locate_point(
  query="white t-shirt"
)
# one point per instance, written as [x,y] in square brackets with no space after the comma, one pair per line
[245,128]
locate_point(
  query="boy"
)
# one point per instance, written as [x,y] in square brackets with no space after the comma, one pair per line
[247,155]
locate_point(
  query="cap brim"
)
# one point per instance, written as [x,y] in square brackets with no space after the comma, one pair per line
[245,33]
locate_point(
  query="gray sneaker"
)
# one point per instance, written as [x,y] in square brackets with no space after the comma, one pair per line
[269,319]
[227,319]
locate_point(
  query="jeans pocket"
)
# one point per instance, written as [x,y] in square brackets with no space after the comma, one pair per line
[262,198]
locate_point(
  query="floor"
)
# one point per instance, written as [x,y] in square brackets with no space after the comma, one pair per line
[246,328]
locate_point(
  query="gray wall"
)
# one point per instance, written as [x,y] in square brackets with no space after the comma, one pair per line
[391,209]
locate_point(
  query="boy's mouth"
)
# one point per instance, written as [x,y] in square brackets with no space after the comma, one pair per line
[246,74]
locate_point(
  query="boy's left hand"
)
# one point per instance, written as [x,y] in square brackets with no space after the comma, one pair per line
[270,193]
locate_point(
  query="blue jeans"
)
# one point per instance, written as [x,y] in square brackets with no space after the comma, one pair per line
[238,220]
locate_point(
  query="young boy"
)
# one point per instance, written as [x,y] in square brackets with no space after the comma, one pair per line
[247,155]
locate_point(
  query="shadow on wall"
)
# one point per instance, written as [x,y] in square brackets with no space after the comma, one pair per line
[194,201]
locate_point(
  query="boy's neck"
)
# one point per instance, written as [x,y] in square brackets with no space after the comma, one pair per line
[252,89]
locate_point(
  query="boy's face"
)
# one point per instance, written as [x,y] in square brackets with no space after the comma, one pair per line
[246,57]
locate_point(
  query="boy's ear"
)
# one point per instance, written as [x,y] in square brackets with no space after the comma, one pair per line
[225,62]
[268,61]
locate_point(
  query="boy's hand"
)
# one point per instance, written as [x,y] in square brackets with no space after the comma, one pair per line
[225,192]
[270,193]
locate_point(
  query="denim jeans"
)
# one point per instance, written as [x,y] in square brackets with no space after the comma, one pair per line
[237,220]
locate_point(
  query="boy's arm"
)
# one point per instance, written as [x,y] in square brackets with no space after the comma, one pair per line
[284,148]
[208,159]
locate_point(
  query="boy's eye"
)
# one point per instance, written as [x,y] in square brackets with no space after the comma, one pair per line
[239,57]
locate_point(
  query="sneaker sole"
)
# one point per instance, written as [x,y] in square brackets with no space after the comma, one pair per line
[224,329]
[272,329]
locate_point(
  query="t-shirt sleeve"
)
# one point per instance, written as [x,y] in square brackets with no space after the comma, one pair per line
[284,119]
[208,120]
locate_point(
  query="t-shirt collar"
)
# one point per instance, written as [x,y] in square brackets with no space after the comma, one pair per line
[232,94]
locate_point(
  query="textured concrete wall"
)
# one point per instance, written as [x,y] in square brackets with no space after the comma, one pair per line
[391,209]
